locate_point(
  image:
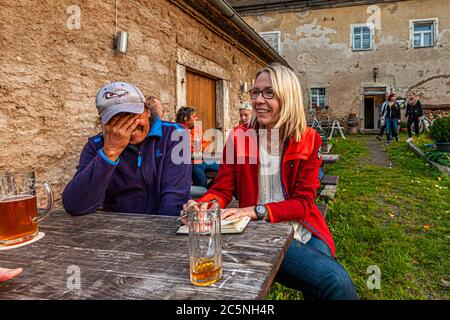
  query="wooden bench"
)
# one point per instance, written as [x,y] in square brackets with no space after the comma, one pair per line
[323,207]
[329,180]
[330,158]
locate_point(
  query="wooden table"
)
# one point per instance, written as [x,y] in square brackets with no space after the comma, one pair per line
[134,256]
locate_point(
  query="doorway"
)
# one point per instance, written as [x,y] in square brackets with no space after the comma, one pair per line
[201,94]
[369,107]
[373,98]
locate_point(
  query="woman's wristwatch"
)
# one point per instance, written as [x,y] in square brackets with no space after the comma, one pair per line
[261,211]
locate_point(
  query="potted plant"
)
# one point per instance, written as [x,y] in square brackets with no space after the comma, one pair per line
[440,133]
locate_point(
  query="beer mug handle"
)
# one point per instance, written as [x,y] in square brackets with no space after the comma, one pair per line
[49,208]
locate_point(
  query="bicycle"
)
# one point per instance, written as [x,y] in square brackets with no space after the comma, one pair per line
[424,123]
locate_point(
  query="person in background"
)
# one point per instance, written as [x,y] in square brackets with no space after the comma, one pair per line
[187,116]
[414,112]
[284,188]
[392,118]
[6,274]
[245,113]
[129,166]
[383,116]
[155,105]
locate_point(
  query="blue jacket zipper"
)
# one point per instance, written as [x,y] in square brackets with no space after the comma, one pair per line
[139,168]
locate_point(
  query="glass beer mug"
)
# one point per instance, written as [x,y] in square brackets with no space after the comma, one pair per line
[205,246]
[19,216]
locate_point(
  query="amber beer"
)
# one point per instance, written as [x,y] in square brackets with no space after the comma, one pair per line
[18,219]
[206,271]
[205,244]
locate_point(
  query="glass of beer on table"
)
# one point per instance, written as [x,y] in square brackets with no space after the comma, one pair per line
[205,244]
[19,217]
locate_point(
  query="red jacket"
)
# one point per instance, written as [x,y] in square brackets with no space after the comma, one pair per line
[299,175]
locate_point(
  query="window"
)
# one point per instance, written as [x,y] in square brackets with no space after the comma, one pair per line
[319,98]
[272,38]
[362,36]
[423,33]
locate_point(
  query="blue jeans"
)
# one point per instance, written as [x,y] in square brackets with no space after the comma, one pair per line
[391,128]
[311,269]
[198,173]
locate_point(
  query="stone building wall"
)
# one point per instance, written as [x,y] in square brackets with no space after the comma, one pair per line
[50,72]
[317,44]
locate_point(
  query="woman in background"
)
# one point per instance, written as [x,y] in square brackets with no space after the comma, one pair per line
[392,118]
[414,112]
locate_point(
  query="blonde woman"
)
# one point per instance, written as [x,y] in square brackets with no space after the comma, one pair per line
[278,183]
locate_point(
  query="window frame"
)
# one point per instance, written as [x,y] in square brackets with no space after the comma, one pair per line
[317,96]
[278,33]
[371,32]
[434,33]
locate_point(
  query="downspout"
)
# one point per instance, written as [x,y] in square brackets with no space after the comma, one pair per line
[231,14]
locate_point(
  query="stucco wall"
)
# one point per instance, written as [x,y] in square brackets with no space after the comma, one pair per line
[317,45]
[49,74]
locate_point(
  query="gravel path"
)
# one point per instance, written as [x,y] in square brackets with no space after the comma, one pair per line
[377,156]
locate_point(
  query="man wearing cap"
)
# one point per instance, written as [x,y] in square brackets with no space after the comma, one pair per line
[129,166]
[245,113]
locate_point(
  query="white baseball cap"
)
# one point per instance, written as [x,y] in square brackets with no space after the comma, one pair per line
[117,97]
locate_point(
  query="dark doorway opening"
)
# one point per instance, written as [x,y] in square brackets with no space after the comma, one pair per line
[369,107]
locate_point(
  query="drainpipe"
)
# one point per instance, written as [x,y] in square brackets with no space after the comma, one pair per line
[232,15]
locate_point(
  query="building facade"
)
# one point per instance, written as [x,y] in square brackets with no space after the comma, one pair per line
[347,54]
[57,54]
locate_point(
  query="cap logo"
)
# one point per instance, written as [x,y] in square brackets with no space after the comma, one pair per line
[117,94]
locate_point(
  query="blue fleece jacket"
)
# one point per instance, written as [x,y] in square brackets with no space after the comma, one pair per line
[145,179]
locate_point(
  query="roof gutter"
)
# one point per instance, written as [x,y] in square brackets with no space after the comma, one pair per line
[232,15]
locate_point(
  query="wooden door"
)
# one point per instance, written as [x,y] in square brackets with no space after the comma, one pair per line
[201,94]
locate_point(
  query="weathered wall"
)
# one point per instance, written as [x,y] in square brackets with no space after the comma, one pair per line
[317,45]
[49,74]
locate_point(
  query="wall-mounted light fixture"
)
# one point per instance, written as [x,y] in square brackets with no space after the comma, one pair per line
[375,74]
[244,87]
[120,38]
[121,41]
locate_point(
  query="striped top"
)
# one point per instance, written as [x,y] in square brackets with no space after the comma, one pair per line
[270,182]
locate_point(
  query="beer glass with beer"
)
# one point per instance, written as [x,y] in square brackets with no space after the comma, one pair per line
[205,245]
[19,216]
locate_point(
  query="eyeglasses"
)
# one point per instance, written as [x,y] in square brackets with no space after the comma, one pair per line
[267,93]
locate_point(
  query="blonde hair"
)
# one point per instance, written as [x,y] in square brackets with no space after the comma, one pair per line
[292,122]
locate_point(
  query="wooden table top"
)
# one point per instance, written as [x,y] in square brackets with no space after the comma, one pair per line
[136,256]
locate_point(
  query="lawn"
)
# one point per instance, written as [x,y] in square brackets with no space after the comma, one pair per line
[394,218]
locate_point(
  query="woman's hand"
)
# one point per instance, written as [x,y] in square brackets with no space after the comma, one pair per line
[191,204]
[6,274]
[235,213]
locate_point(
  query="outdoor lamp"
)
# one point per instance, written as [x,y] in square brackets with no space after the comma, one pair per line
[375,73]
[121,41]
[244,87]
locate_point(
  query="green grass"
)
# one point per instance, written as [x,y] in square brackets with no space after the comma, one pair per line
[395,218]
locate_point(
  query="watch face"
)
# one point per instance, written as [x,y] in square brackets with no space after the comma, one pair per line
[260,211]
